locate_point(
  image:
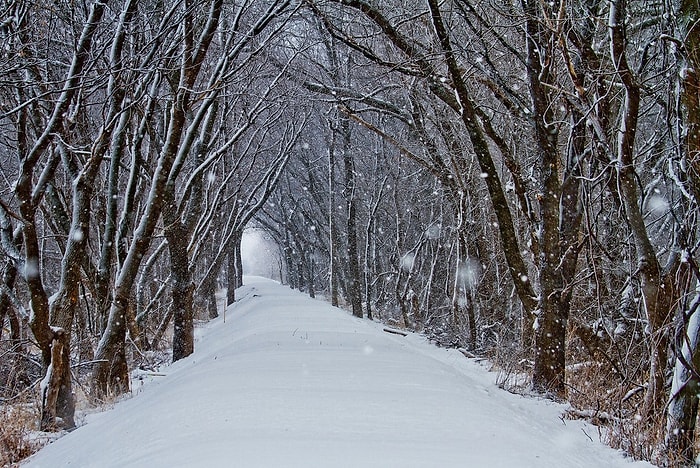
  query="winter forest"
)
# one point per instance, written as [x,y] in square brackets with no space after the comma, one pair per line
[517,179]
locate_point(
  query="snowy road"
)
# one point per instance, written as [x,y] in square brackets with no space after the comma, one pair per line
[288,381]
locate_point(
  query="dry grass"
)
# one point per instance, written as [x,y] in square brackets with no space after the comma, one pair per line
[513,369]
[607,390]
[599,391]
[19,437]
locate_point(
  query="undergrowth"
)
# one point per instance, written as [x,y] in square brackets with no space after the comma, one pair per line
[601,391]
[18,436]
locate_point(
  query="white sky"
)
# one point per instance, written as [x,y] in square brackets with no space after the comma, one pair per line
[259,254]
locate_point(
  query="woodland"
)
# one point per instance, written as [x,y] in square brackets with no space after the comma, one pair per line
[518,179]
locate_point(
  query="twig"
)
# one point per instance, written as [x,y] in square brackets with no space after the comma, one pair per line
[591,439]
[87,363]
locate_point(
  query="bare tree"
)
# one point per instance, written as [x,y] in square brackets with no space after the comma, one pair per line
[683,402]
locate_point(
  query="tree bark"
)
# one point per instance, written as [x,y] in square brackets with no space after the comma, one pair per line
[6,309]
[232,270]
[682,408]
[355,278]
[182,293]
[550,324]
[690,89]
[681,416]
[333,241]
[182,287]
[53,405]
[657,300]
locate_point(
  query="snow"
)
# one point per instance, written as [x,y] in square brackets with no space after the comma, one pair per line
[407,261]
[658,204]
[290,381]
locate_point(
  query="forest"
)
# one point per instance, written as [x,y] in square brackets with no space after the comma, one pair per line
[517,179]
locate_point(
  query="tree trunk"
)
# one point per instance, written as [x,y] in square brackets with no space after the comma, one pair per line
[17,346]
[550,324]
[334,241]
[182,289]
[656,297]
[690,89]
[310,276]
[233,268]
[6,309]
[370,243]
[355,286]
[117,92]
[207,293]
[682,408]
[212,305]
[109,240]
[682,412]
[239,259]
[110,374]
[54,402]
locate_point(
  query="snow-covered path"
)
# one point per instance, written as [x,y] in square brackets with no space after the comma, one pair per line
[288,381]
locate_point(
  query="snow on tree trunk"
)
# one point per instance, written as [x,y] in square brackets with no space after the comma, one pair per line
[182,290]
[550,330]
[682,407]
[52,385]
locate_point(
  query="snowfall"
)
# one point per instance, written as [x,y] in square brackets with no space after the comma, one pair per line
[282,380]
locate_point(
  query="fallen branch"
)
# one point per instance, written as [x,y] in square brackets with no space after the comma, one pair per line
[467,354]
[594,417]
[87,363]
[395,332]
[151,374]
